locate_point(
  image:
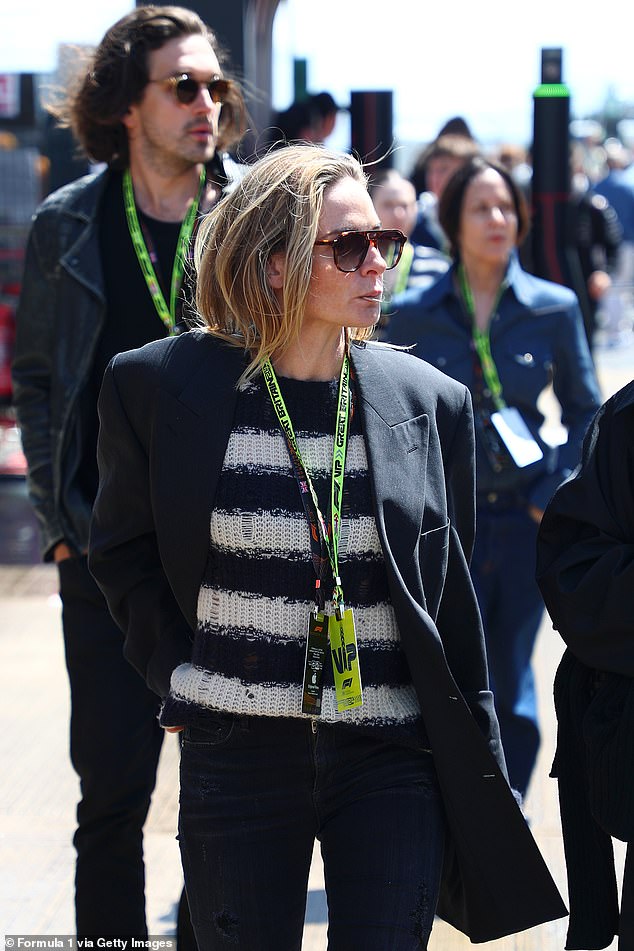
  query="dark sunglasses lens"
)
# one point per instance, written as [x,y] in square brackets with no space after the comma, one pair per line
[218,90]
[389,248]
[350,250]
[186,90]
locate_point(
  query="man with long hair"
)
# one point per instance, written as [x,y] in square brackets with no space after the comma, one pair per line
[106,271]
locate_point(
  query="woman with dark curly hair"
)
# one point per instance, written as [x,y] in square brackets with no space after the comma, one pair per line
[506,335]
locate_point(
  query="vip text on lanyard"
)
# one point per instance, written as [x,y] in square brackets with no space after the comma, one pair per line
[338,629]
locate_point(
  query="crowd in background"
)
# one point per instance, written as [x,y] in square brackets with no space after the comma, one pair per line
[601,226]
[600,214]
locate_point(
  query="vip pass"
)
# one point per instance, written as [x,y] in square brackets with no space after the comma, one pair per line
[144,256]
[326,632]
[507,420]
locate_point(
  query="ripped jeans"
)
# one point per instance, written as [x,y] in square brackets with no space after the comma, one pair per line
[256,792]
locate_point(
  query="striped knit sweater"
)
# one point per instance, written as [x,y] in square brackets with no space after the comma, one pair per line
[258,588]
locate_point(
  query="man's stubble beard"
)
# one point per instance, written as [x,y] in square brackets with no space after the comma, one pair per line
[178,159]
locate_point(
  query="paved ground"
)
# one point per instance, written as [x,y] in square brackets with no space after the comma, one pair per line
[38,789]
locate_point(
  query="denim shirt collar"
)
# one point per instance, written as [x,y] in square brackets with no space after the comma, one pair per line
[516,280]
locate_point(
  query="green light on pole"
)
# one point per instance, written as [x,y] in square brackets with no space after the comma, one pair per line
[552,91]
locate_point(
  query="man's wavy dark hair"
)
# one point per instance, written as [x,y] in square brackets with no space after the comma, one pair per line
[116,77]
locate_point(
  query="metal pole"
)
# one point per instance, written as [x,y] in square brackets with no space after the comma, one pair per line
[372,136]
[551,171]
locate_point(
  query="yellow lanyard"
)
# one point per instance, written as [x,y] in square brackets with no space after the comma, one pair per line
[481,338]
[167,314]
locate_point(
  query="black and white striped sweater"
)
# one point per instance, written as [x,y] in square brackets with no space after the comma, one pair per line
[258,588]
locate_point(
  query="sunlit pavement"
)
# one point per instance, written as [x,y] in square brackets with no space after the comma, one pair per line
[38,788]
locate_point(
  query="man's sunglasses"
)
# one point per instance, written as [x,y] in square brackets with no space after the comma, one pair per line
[185,88]
[350,248]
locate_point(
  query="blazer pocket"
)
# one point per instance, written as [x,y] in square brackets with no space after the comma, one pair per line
[433,556]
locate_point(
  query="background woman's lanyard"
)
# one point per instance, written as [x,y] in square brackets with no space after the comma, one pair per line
[167,315]
[481,339]
[403,269]
[323,537]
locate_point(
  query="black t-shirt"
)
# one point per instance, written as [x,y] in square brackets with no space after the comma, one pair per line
[131,317]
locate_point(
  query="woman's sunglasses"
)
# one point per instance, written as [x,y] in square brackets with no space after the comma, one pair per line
[350,248]
[185,88]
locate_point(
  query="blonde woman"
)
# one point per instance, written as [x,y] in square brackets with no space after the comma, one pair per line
[282,531]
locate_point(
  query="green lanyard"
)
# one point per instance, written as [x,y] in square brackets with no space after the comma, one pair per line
[481,338]
[167,315]
[330,538]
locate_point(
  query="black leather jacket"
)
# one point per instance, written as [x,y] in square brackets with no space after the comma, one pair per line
[59,320]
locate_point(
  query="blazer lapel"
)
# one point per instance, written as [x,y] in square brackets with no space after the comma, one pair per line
[396,446]
[195,413]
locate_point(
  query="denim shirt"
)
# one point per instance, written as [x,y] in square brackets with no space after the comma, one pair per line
[537,338]
[59,319]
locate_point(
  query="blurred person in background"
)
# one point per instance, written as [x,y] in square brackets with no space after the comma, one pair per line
[310,119]
[433,169]
[288,126]
[595,239]
[617,304]
[324,110]
[456,125]
[515,160]
[104,272]
[506,335]
[394,198]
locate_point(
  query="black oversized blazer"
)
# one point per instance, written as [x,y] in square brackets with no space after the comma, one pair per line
[585,569]
[166,415]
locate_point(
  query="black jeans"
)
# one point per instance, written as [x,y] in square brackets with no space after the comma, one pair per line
[115,741]
[256,792]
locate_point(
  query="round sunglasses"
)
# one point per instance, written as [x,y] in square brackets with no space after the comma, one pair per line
[350,248]
[186,88]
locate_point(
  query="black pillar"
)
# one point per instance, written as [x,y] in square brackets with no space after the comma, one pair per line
[372,135]
[551,171]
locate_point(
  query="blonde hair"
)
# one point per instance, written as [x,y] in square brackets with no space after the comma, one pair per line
[275,208]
